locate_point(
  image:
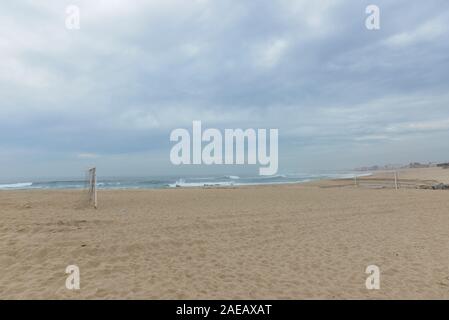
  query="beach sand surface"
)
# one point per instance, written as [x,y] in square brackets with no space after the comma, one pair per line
[260,242]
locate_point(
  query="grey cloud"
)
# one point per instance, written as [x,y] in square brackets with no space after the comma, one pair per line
[135,71]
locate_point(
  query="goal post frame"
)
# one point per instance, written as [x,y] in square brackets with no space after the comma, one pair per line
[93,186]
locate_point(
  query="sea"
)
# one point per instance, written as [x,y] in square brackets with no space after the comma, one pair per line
[110,183]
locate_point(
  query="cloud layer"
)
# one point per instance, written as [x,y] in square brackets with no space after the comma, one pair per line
[111,92]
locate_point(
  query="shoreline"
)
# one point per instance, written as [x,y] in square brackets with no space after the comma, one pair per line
[149,183]
[414,178]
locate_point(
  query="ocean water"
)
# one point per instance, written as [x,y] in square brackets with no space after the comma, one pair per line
[177,182]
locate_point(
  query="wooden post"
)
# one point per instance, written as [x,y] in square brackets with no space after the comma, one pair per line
[94,174]
[396,180]
[355,181]
[93,186]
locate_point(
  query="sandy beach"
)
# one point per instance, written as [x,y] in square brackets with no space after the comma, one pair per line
[305,241]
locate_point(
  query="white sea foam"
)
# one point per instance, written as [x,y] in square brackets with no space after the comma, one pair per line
[20,185]
[183,184]
[277,176]
[348,175]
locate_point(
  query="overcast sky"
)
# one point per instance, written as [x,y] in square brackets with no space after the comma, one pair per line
[110,93]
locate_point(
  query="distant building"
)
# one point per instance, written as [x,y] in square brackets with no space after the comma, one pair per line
[418,165]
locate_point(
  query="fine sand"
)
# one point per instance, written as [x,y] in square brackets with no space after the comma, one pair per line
[273,242]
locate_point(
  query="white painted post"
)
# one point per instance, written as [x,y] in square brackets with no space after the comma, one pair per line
[93,186]
[396,180]
[355,181]
[94,178]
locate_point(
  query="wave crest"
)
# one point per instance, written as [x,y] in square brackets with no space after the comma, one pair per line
[16,185]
